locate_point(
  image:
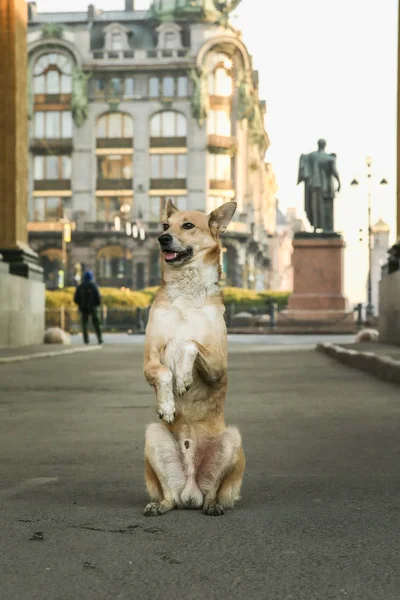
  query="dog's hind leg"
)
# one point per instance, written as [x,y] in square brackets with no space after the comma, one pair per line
[163,457]
[229,490]
[221,472]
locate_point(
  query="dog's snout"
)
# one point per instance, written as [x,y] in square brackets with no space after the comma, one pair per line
[165,239]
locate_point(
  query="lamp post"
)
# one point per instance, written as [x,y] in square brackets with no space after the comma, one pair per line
[65,239]
[354,183]
[134,229]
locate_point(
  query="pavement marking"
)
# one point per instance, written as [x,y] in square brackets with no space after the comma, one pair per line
[10,359]
[236,349]
[26,486]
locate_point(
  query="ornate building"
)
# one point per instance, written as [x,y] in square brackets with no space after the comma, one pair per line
[380,248]
[130,108]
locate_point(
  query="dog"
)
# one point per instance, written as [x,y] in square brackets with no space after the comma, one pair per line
[56,335]
[367,335]
[192,460]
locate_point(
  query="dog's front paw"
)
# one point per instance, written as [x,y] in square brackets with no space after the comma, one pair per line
[166,411]
[183,383]
[213,509]
[155,509]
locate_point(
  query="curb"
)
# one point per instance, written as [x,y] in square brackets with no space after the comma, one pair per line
[50,354]
[382,367]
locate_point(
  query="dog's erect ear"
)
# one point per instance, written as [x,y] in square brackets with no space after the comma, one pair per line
[170,209]
[222,216]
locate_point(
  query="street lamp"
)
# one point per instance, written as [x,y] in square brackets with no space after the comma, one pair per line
[66,238]
[355,183]
[134,229]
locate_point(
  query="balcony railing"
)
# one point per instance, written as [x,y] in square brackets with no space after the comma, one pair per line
[168,142]
[64,99]
[52,146]
[140,55]
[114,184]
[114,143]
[49,185]
[168,184]
[221,142]
[217,184]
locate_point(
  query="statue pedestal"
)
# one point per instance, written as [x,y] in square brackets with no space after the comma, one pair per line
[317,297]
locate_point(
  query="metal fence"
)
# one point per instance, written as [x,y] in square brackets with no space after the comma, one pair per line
[134,320]
[124,319]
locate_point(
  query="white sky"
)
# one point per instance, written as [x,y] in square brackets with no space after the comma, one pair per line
[327,69]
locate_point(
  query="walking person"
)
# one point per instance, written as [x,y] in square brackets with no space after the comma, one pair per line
[88,299]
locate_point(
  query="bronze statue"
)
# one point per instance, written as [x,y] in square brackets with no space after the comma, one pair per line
[199,101]
[79,101]
[318,171]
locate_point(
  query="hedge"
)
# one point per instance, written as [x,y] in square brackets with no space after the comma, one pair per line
[116,298]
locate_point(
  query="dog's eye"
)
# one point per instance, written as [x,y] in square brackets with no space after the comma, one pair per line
[165,226]
[188,226]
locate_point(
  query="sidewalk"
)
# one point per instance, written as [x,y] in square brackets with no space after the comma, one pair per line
[376,359]
[319,515]
[10,354]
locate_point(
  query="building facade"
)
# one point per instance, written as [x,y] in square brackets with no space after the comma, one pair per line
[130,108]
[379,256]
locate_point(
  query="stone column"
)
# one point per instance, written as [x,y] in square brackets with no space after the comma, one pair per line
[398,133]
[14,140]
[21,278]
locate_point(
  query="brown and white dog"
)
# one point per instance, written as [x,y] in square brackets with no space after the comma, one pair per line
[192,459]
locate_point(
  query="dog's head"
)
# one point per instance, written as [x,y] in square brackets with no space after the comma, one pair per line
[191,236]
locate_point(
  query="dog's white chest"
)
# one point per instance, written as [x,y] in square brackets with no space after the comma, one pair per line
[182,321]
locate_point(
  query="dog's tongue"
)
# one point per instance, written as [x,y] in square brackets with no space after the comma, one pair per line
[170,255]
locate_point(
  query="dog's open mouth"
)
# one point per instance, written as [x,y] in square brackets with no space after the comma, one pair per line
[177,257]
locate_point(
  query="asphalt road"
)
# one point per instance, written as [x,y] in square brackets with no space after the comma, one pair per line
[248,340]
[320,513]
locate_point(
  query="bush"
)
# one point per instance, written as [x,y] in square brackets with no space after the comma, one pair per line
[111,297]
[116,298]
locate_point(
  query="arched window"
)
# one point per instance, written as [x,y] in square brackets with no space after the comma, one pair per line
[51,261]
[168,124]
[220,79]
[113,262]
[52,74]
[115,125]
[155,268]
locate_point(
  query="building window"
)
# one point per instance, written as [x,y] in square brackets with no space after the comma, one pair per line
[155,268]
[51,261]
[170,40]
[220,167]
[115,87]
[140,273]
[115,125]
[99,87]
[53,124]
[52,74]
[157,205]
[113,262]
[182,83]
[129,90]
[219,123]
[220,81]
[52,167]
[154,87]
[168,87]
[116,41]
[115,166]
[168,166]
[48,209]
[107,208]
[168,124]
